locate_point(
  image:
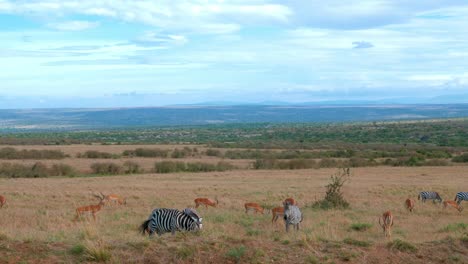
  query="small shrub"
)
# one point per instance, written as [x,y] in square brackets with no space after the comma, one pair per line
[360,226]
[106,168]
[213,153]
[62,170]
[131,167]
[462,158]
[94,154]
[346,255]
[146,152]
[359,243]
[334,196]
[77,249]
[402,246]
[236,253]
[312,259]
[12,153]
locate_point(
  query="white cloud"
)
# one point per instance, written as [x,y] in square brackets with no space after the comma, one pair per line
[73,25]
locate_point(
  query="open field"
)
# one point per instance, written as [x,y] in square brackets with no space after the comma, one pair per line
[39,217]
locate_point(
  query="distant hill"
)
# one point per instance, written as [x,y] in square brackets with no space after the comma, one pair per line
[73,119]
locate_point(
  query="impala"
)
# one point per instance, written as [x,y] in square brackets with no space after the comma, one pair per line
[90,209]
[114,198]
[387,219]
[253,207]
[2,201]
[276,212]
[409,203]
[454,205]
[205,202]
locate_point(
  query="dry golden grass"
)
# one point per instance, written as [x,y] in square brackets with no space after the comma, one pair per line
[40,215]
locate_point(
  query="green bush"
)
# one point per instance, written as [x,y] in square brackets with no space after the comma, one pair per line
[106,168]
[354,242]
[146,152]
[177,166]
[461,158]
[62,170]
[236,253]
[131,167]
[334,196]
[94,154]
[213,153]
[12,153]
[37,170]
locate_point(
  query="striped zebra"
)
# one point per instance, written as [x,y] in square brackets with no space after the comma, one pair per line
[423,196]
[292,216]
[164,220]
[461,196]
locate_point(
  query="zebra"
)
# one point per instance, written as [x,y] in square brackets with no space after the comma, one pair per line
[292,215]
[163,220]
[423,196]
[461,196]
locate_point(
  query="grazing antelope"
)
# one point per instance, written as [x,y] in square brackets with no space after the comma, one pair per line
[276,212]
[454,205]
[2,201]
[292,216]
[290,200]
[409,203]
[115,199]
[387,219]
[205,202]
[90,209]
[253,207]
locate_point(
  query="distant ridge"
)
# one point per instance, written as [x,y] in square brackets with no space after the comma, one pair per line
[185,115]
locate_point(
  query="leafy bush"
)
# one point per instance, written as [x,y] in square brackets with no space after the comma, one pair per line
[213,153]
[334,196]
[146,152]
[93,154]
[462,158]
[37,170]
[182,153]
[12,153]
[105,168]
[171,166]
[131,167]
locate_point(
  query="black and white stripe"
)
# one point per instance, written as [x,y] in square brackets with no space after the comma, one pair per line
[292,216]
[461,196]
[423,196]
[164,220]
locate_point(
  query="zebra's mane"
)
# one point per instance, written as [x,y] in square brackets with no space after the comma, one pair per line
[191,212]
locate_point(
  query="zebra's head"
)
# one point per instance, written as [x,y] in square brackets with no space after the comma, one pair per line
[192,213]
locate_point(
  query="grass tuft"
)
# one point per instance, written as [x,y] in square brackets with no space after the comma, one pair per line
[360,226]
[359,243]
[402,246]
[236,253]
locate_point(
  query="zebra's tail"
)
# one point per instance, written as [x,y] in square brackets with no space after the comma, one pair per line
[144,227]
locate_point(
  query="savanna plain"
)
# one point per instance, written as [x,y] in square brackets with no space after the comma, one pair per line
[38,222]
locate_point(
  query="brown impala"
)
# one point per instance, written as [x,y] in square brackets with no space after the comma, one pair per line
[277,212]
[115,199]
[454,205]
[205,202]
[253,207]
[409,203]
[387,224]
[91,209]
[2,201]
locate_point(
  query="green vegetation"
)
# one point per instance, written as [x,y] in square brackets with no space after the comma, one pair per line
[37,170]
[461,158]
[360,226]
[12,153]
[354,242]
[402,246]
[171,166]
[457,227]
[334,196]
[236,253]
[93,154]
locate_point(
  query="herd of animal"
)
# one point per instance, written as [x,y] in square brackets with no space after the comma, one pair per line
[163,220]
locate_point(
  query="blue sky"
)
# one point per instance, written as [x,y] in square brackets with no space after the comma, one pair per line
[95,53]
